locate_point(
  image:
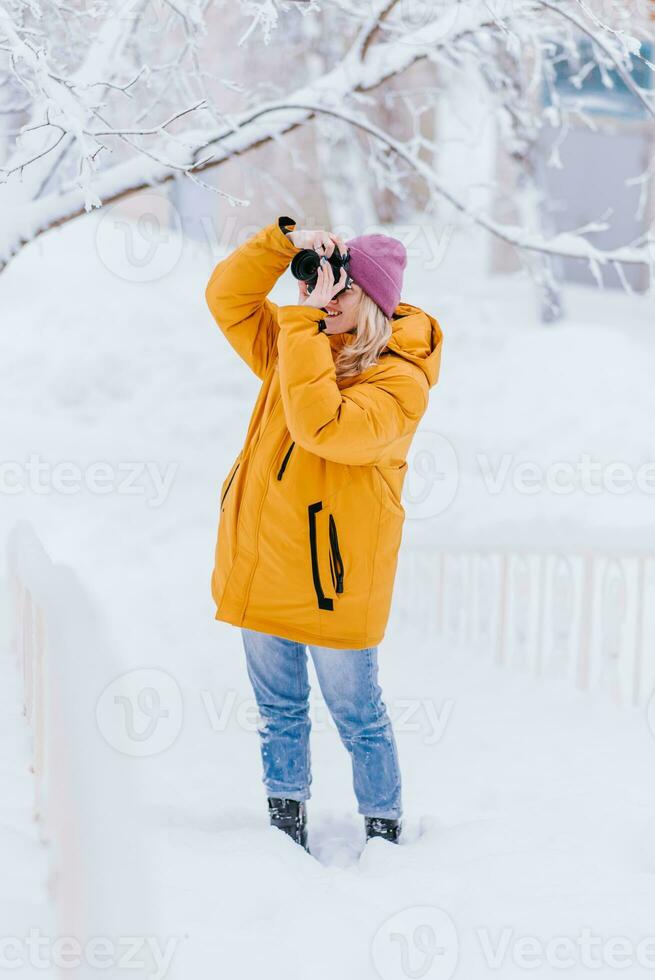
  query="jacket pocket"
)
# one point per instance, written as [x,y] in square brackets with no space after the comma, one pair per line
[323,601]
[285,461]
[229,482]
[336,564]
[390,482]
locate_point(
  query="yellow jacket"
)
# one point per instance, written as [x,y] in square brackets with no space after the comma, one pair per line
[310,511]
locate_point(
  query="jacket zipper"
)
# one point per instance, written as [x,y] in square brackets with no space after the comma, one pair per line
[285,461]
[336,563]
[323,601]
[230,483]
[246,599]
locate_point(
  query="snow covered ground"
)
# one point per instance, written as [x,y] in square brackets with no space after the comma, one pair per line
[529,807]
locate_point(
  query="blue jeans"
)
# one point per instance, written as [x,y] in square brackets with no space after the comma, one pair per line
[348,679]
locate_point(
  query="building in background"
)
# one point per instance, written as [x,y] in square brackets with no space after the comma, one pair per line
[604,174]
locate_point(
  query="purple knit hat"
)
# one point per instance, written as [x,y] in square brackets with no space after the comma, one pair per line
[376,264]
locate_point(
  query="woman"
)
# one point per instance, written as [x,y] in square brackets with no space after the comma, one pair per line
[310,511]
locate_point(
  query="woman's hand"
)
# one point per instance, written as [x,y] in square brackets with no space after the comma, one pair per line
[322,242]
[324,289]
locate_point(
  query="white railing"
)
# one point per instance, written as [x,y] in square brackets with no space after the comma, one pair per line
[588,617]
[26,624]
[86,799]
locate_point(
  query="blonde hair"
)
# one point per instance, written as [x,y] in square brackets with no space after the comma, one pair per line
[371,336]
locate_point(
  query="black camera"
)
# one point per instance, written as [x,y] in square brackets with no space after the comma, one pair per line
[306,263]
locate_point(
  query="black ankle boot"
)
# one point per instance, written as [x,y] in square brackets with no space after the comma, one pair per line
[289,816]
[383,827]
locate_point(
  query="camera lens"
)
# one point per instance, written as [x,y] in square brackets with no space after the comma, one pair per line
[304,265]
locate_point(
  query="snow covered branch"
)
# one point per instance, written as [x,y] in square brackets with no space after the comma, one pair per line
[109,119]
[569,245]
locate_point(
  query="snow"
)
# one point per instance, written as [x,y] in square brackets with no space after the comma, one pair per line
[23,857]
[363,68]
[529,806]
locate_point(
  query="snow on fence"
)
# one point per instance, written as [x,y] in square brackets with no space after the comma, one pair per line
[86,799]
[587,617]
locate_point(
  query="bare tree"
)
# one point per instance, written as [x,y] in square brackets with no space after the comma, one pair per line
[103,101]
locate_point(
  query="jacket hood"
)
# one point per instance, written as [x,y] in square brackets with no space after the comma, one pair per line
[416,337]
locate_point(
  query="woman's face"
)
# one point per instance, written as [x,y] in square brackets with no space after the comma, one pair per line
[342,310]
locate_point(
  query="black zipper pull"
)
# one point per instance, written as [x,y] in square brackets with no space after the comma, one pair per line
[285,461]
[334,546]
[230,483]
